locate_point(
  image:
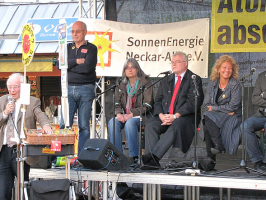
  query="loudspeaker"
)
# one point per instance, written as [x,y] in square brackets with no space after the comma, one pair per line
[102,154]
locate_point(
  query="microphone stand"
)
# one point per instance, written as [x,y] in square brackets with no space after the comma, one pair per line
[141,90]
[195,162]
[242,164]
[112,88]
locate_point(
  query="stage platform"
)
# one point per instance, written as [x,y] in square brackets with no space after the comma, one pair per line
[236,179]
[238,183]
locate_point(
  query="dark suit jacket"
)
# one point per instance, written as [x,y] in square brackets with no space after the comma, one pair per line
[33,113]
[184,104]
[257,99]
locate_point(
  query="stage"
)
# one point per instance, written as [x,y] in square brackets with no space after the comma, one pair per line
[236,179]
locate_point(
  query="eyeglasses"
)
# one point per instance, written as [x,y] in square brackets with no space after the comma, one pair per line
[14,87]
[128,68]
[177,62]
[76,31]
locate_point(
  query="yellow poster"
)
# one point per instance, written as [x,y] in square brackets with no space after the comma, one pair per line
[238,26]
[28,42]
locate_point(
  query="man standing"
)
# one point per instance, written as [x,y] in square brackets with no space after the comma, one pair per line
[174,113]
[82,60]
[255,123]
[10,125]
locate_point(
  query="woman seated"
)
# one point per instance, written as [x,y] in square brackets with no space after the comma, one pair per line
[128,105]
[222,103]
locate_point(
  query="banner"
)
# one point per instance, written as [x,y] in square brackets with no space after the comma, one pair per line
[238,26]
[152,45]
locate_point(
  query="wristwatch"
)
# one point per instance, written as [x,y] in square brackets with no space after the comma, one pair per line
[174,116]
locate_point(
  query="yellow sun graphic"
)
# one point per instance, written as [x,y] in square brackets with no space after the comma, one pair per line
[102,45]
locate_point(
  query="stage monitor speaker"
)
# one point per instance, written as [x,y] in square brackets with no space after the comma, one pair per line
[102,154]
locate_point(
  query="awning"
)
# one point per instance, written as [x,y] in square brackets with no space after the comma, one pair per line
[15,64]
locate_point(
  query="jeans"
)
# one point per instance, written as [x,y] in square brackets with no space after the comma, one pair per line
[78,99]
[131,128]
[252,144]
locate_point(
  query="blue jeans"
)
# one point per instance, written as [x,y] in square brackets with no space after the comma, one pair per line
[78,99]
[131,128]
[252,144]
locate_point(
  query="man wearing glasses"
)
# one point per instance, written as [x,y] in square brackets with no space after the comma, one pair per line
[174,113]
[82,60]
[10,126]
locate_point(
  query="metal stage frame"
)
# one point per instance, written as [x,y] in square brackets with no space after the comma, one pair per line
[152,181]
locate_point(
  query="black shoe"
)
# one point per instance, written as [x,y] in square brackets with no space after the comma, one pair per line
[258,164]
[146,158]
[218,149]
[135,161]
[262,168]
[150,162]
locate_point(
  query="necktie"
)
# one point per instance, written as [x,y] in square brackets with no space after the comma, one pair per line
[177,85]
[10,128]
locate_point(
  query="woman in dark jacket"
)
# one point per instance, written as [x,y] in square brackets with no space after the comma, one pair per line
[128,105]
[222,103]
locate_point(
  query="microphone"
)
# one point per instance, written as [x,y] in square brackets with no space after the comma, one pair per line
[10,100]
[196,87]
[252,70]
[166,72]
[119,81]
[250,74]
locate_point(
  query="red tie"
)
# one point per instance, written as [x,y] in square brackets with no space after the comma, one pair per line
[177,85]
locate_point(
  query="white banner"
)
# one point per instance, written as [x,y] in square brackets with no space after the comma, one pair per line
[152,45]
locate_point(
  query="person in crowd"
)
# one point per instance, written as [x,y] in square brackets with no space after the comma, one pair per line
[10,125]
[128,105]
[174,113]
[255,123]
[222,104]
[82,60]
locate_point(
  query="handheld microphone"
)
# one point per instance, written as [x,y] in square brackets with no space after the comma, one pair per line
[193,76]
[166,72]
[10,100]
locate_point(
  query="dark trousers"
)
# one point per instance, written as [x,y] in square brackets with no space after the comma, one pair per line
[212,136]
[8,171]
[153,142]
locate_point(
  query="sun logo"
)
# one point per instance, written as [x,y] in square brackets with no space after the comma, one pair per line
[103,45]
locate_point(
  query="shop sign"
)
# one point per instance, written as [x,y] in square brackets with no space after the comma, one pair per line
[46,30]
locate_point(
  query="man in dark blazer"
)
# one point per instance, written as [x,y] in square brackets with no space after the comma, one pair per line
[255,123]
[8,155]
[178,124]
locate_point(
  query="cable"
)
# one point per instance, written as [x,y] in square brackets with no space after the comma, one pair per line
[109,161]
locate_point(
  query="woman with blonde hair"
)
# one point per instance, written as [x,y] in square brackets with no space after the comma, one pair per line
[222,104]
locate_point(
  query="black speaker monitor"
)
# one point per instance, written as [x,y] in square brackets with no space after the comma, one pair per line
[102,154]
